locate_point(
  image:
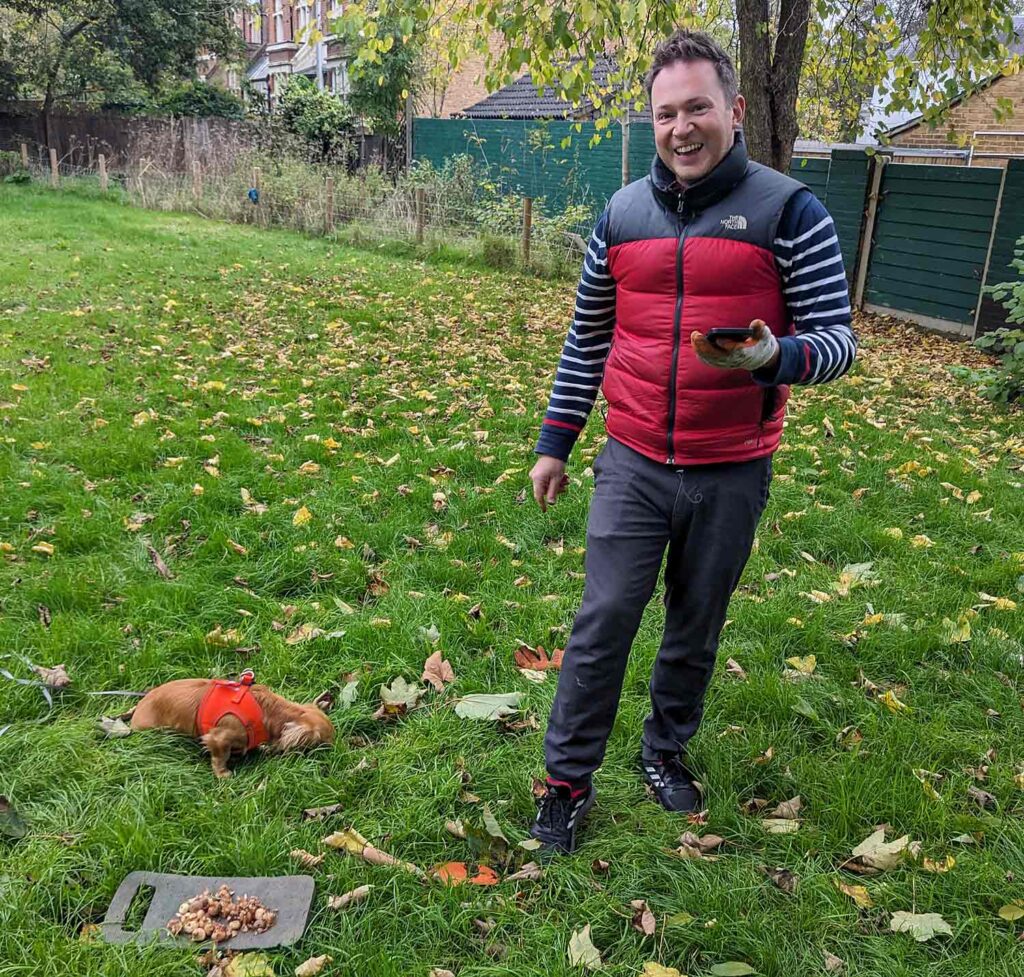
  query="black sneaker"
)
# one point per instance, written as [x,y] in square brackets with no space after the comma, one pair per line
[672,783]
[558,817]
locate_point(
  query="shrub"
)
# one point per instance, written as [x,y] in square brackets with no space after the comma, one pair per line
[10,163]
[322,120]
[201,99]
[1005,383]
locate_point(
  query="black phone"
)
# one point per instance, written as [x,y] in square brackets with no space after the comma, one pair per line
[736,333]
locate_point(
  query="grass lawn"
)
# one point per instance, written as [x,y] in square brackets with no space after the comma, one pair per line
[157,368]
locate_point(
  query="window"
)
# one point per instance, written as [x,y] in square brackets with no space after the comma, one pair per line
[278,21]
[303,14]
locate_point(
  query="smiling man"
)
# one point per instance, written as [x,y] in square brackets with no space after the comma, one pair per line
[709,239]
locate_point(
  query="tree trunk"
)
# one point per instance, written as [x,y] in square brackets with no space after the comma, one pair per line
[770,79]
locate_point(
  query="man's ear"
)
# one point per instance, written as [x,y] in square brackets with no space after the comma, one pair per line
[739,109]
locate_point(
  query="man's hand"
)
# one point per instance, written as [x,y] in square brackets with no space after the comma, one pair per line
[549,480]
[751,354]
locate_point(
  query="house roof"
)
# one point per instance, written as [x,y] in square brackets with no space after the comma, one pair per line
[520,100]
[1015,44]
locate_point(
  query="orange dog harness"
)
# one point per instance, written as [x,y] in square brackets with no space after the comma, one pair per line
[226,698]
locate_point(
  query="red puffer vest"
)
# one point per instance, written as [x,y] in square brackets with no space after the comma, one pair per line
[685,260]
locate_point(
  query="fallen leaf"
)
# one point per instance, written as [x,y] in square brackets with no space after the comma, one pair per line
[53,678]
[455,828]
[938,867]
[600,866]
[652,969]
[643,919]
[306,859]
[11,823]
[956,632]
[484,706]
[732,968]
[804,665]
[582,952]
[220,638]
[537,658]
[891,702]
[349,898]
[114,728]
[354,843]
[734,668]
[679,919]
[437,672]
[304,632]
[783,878]
[787,809]
[45,548]
[781,826]
[530,872]
[158,562]
[875,852]
[922,926]
[438,972]
[858,893]
[399,697]
[249,965]
[982,798]
[302,516]
[855,575]
[702,843]
[312,966]
[455,873]
[1012,911]
[833,964]
[491,825]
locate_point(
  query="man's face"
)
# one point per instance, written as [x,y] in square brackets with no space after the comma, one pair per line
[693,122]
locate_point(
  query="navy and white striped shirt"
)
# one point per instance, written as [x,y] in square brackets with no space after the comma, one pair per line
[810,265]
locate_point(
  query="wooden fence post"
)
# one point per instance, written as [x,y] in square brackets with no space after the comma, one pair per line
[527,226]
[54,172]
[625,149]
[421,200]
[24,156]
[197,180]
[878,161]
[329,207]
[103,172]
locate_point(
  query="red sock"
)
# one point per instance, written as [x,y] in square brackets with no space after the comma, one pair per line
[575,789]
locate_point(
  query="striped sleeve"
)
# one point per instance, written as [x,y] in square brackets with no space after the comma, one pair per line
[581,367]
[814,284]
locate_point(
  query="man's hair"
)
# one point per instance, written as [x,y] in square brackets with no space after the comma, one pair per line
[686,45]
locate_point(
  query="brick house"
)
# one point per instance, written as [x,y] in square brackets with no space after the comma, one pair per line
[972,123]
[278,44]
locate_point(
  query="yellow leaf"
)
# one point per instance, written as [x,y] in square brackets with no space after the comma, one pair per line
[956,632]
[44,548]
[973,497]
[309,468]
[302,516]
[224,639]
[805,665]
[921,541]
[652,969]
[344,543]
[894,531]
[939,867]
[1013,911]
[858,893]
[312,966]
[20,387]
[197,489]
[890,701]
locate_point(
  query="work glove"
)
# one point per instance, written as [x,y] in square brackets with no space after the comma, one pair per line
[751,354]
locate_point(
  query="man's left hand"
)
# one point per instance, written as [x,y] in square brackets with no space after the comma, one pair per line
[752,354]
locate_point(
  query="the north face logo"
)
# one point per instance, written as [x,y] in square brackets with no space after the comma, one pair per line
[734,222]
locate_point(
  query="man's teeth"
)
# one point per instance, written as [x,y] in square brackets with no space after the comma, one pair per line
[691,147]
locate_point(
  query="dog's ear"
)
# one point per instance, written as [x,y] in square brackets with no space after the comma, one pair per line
[296,736]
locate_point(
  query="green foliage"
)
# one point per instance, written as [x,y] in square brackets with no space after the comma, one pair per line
[1005,383]
[382,80]
[10,163]
[321,119]
[201,99]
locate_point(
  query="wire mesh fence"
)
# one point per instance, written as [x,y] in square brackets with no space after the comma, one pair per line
[425,208]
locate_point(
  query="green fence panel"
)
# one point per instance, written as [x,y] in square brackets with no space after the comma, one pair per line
[812,171]
[1009,230]
[847,193]
[929,215]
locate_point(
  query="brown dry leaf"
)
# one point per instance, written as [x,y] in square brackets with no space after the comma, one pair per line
[349,898]
[787,809]
[754,805]
[875,852]
[354,843]
[703,843]
[306,859]
[158,562]
[833,964]
[439,972]
[530,872]
[319,813]
[939,867]
[312,966]
[600,866]
[455,828]
[858,893]
[643,919]
[45,617]
[582,952]
[734,668]
[536,659]
[783,878]
[982,798]
[437,672]
[237,547]
[304,632]
[53,678]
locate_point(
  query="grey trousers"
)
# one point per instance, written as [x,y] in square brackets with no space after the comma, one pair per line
[706,517]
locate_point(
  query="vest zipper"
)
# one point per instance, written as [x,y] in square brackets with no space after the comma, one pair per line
[676,337]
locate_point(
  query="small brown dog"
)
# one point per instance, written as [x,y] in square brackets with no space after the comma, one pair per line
[232,717]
